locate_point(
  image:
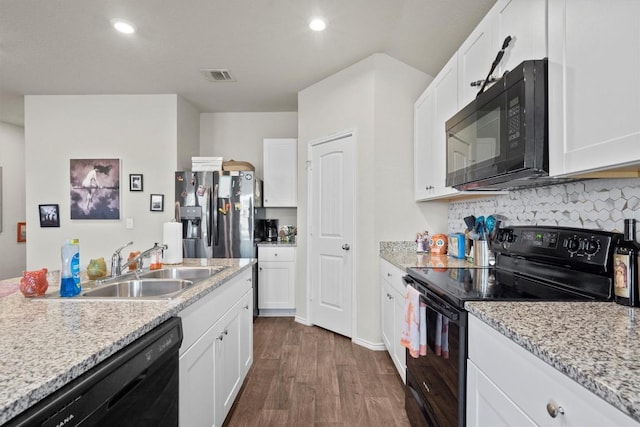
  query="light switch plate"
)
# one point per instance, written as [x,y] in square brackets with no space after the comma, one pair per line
[129,223]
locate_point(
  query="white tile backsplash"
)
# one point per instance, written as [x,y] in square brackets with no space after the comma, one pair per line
[601,204]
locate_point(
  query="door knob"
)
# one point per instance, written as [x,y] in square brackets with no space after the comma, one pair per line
[346,247]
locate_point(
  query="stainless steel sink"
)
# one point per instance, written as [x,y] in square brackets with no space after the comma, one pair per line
[140,288]
[187,273]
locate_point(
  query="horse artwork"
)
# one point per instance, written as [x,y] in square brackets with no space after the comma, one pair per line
[95,188]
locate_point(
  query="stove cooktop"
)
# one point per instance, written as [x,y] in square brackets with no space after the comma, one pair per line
[532,264]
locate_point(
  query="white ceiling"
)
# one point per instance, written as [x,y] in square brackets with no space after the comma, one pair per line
[68,46]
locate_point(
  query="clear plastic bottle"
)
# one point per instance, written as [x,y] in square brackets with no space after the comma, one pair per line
[70,272]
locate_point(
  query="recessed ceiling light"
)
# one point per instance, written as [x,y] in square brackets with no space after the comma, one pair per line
[317,24]
[123,26]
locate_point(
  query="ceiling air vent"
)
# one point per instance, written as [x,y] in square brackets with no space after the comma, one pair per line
[218,75]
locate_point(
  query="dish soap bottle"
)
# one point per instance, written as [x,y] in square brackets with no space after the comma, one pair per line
[625,267]
[70,272]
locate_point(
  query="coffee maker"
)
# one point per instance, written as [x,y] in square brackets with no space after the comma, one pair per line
[266,230]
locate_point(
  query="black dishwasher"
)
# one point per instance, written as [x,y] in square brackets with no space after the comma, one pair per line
[138,386]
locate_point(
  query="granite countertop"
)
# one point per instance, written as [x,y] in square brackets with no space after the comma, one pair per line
[594,343]
[280,244]
[46,343]
[403,255]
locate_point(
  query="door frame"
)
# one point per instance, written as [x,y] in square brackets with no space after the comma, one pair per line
[354,247]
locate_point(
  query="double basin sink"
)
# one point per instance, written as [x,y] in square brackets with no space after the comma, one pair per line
[154,284]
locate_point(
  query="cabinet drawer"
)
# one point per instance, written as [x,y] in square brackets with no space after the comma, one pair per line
[393,275]
[276,254]
[531,383]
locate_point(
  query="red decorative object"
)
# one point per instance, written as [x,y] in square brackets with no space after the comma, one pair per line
[34,283]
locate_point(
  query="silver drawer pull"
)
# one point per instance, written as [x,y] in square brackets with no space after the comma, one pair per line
[554,409]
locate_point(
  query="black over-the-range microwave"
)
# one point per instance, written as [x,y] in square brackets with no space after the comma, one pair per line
[501,140]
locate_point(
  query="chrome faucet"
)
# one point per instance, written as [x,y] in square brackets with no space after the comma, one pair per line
[116,260]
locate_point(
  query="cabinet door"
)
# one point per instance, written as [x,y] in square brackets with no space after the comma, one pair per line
[197,382]
[487,405]
[526,22]
[399,354]
[475,57]
[276,285]
[246,332]
[446,105]
[423,131]
[388,322]
[594,90]
[280,162]
[228,366]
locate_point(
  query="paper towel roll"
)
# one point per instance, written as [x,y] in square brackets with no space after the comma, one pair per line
[172,235]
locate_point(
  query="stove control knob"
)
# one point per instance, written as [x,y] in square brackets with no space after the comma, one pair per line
[573,245]
[592,247]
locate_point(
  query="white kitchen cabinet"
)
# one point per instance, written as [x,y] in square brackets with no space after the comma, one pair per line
[276,279]
[436,105]
[526,22]
[594,90]
[280,161]
[475,57]
[507,385]
[215,352]
[393,291]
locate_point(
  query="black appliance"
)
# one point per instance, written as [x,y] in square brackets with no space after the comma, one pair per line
[532,264]
[138,386]
[266,230]
[500,139]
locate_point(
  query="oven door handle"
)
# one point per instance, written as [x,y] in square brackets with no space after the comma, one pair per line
[451,315]
[432,303]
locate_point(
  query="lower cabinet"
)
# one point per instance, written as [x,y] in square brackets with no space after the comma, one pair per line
[216,353]
[509,386]
[392,293]
[276,279]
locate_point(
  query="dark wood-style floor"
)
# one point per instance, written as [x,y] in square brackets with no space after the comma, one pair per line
[308,376]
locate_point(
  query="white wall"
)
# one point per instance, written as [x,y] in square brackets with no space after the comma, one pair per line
[238,136]
[12,196]
[140,130]
[374,97]
[188,134]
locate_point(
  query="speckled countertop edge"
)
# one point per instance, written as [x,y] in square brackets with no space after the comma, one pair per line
[402,254]
[46,343]
[280,244]
[596,344]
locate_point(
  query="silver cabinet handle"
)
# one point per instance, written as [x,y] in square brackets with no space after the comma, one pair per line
[554,409]
[246,307]
[346,247]
[389,275]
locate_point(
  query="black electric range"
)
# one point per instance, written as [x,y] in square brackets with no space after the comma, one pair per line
[531,264]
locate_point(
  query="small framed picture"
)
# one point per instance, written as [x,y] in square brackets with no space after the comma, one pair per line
[135,182]
[157,203]
[49,215]
[22,232]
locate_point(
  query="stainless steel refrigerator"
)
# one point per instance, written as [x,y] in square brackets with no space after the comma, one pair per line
[217,211]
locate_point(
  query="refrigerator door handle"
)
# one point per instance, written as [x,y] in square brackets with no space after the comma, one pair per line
[211,213]
[214,215]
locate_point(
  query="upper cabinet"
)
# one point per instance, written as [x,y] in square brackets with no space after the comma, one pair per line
[594,89]
[280,161]
[525,21]
[475,57]
[431,111]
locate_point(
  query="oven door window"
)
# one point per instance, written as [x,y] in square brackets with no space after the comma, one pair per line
[438,373]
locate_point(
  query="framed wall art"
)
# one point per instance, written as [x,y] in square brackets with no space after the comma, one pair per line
[95,188]
[22,232]
[157,203]
[49,215]
[135,182]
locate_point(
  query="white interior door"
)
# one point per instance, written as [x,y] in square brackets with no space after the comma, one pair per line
[331,232]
